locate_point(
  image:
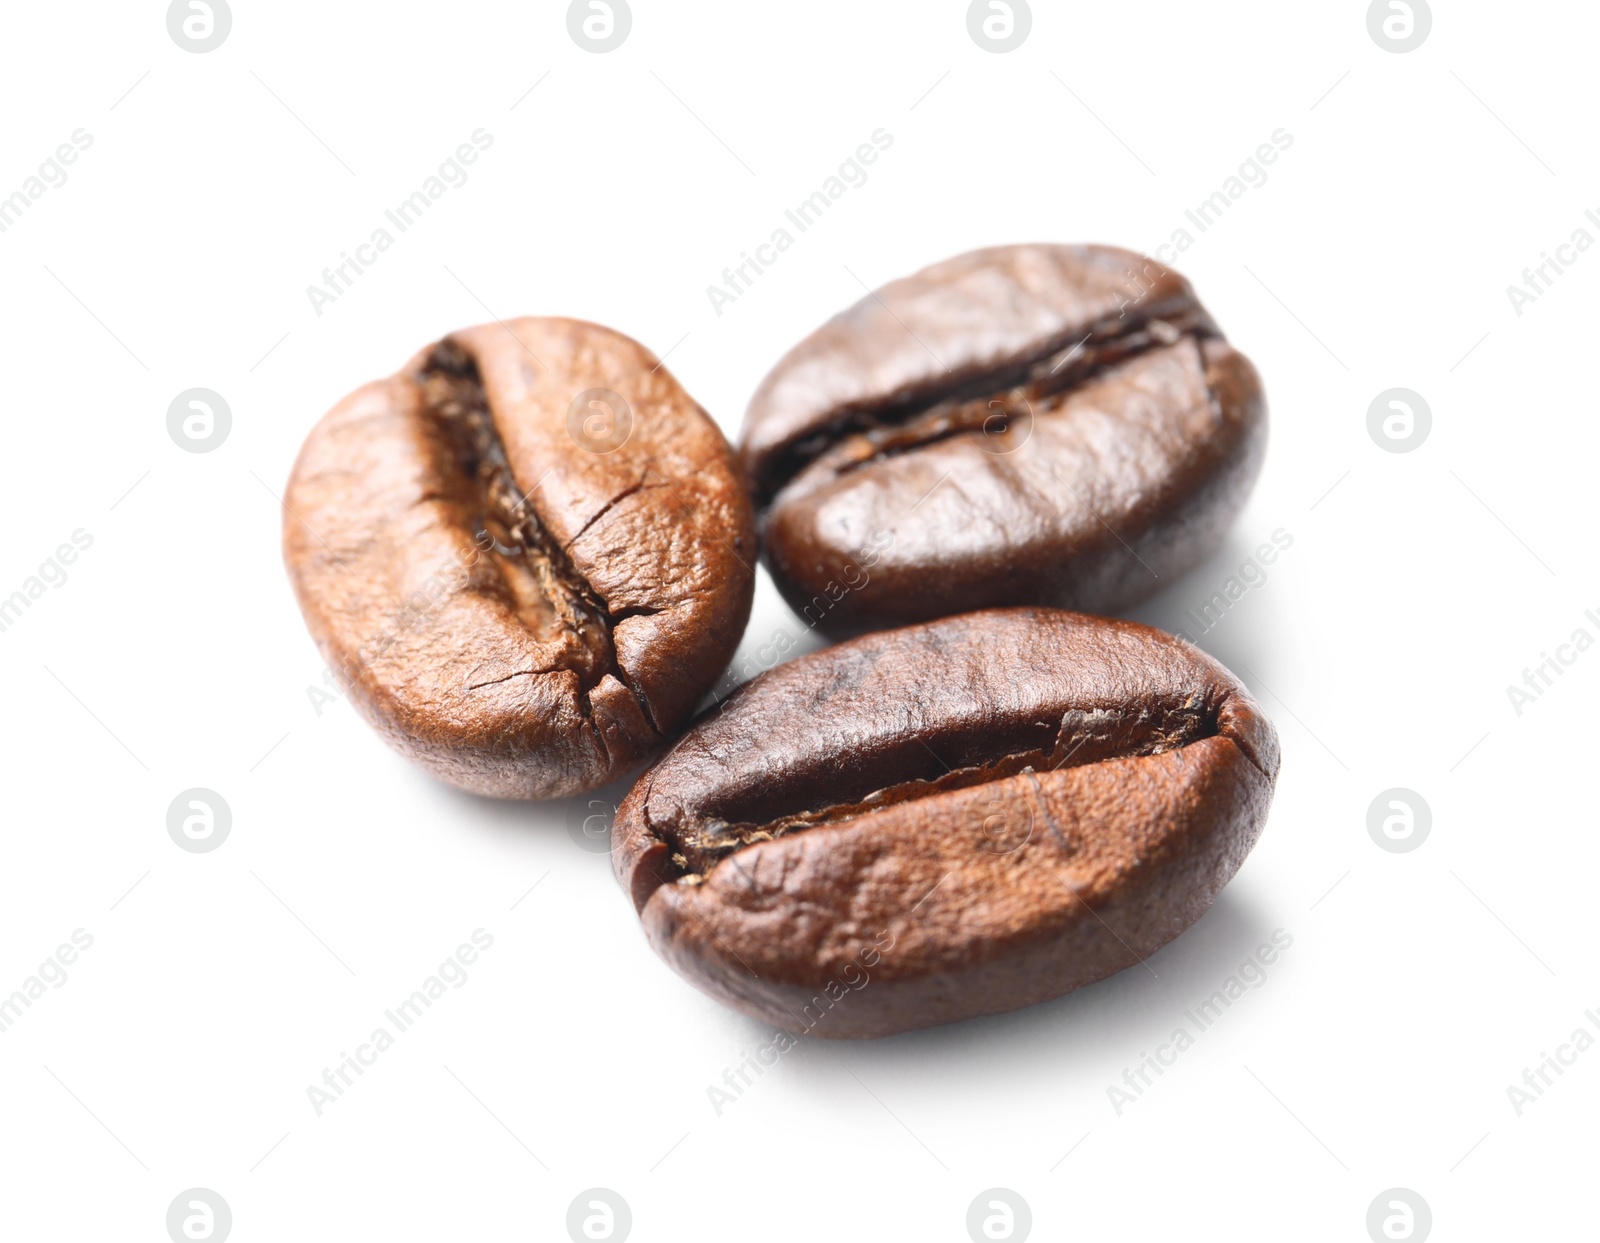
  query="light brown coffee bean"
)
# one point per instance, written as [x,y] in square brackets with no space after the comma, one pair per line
[527,555]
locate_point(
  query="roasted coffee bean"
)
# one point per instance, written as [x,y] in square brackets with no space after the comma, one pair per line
[1057,425]
[527,555]
[951,819]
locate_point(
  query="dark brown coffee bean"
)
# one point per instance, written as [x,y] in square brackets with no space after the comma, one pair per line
[947,820]
[1055,425]
[527,555]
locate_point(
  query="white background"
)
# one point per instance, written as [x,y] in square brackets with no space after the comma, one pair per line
[1419,986]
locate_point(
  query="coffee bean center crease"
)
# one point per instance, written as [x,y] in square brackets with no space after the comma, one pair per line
[1081,737]
[988,401]
[550,595]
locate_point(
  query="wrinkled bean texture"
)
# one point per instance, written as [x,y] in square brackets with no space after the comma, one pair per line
[947,820]
[1037,424]
[516,601]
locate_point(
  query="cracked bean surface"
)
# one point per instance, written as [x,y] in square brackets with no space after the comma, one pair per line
[524,589]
